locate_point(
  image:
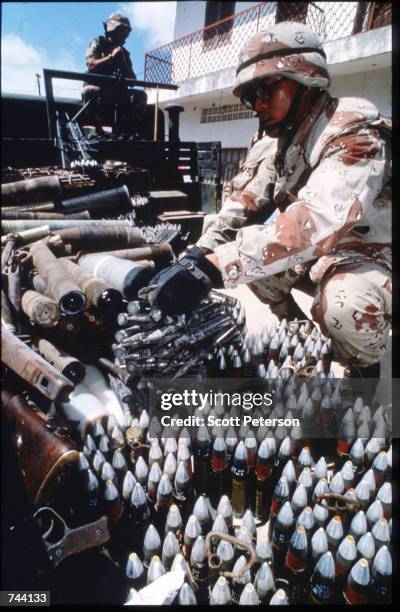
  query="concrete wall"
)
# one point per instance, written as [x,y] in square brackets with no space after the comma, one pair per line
[189,17]
[374,85]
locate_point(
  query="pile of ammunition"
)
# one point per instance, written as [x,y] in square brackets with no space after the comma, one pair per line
[304,531]
[276,512]
[151,343]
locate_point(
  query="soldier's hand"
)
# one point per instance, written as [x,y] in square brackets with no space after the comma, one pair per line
[180,287]
[116,51]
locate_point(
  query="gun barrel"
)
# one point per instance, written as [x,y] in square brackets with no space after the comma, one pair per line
[33,369]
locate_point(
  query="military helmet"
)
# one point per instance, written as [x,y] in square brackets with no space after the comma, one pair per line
[116,20]
[288,49]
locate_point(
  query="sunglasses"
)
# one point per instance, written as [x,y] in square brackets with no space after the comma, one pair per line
[262,92]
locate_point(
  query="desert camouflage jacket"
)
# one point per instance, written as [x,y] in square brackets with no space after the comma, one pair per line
[331,195]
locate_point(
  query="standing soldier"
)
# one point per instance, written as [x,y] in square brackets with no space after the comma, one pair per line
[323,165]
[107,55]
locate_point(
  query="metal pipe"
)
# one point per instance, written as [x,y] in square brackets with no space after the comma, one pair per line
[9,227]
[14,215]
[152,251]
[42,187]
[94,238]
[117,200]
[155,117]
[28,236]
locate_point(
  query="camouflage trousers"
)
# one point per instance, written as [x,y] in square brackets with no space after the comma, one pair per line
[131,104]
[352,304]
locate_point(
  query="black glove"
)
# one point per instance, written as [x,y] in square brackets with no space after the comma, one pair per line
[180,287]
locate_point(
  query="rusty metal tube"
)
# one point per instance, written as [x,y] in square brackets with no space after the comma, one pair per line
[70,367]
[70,299]
[30,207]
[152,251]
[33,369]
[94,238]
[97,291]
[14,286]
[28,236]
[43,216]
[9,227]
[40,309]
[31,189]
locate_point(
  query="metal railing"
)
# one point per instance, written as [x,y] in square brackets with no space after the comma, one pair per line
[217,46]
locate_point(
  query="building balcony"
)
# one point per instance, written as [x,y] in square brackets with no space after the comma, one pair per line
[216,48]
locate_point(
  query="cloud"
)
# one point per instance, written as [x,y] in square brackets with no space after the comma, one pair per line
[20,61]
[155,19]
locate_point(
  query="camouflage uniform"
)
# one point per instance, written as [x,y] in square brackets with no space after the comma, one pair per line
[332,190]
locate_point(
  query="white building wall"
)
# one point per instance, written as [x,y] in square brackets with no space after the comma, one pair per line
[189,17]
[374,85]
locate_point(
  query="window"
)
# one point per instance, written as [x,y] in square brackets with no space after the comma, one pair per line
[215,11]
[228,112]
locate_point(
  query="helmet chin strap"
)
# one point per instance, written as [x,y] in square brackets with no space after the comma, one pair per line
[287,122]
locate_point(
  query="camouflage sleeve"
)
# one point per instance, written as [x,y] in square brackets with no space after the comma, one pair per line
[93,52]
[251,194]
[340,192]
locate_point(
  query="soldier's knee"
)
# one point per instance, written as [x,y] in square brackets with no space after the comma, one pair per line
[354,313]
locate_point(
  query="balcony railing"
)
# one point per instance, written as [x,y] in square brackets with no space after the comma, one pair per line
[217,47]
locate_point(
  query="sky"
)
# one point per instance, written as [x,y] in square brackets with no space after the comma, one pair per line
[37,35]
